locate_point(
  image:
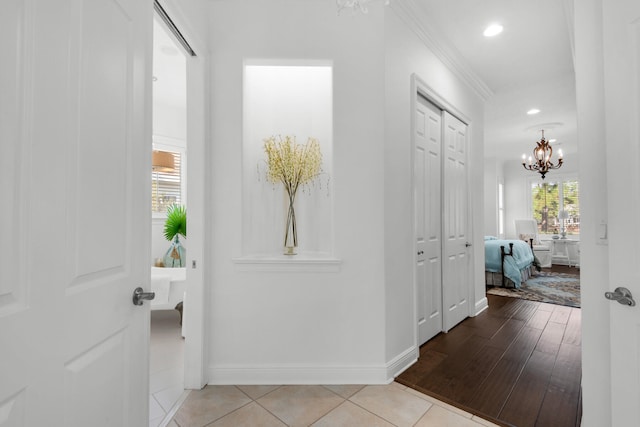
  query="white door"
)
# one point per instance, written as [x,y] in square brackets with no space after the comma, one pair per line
[622,96]
[75,134]
[456,262]
[427,217]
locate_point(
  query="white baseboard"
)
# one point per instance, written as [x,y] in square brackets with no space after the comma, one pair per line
[299,374]
[401,362]
[481,305]
[291,374]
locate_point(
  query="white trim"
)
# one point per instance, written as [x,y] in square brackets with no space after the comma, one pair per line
[481,306]
[313,374]
[297,374]
[419,23]
[196,343]
[300,262]
[402,362]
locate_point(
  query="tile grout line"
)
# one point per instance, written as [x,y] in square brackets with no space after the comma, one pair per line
[174,409]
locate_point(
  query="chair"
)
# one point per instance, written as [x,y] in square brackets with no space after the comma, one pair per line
[528,229]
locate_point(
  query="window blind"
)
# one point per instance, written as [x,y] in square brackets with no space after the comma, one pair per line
[166,185]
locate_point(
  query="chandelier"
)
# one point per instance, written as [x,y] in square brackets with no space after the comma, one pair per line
[356,5]
[541,160]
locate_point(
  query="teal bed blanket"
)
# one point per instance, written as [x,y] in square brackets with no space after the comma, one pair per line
[521,259]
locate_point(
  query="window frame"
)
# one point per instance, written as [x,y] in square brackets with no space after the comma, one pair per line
[501,210]
[559,178]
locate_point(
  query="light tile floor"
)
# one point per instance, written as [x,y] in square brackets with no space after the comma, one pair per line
[318,406]
[166,366]
[278,406]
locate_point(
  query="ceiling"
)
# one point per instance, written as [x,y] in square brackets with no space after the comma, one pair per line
[169,69]
[529,65]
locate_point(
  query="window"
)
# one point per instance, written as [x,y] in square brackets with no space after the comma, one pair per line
[556,206]
[166,180]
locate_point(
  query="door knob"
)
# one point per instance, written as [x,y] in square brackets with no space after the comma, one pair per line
[139,295]
[622,295]
[420,252]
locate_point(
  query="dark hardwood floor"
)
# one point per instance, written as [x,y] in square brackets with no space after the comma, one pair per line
[516,364]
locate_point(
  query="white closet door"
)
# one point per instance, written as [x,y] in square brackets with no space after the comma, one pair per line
[428,217]
[456,258]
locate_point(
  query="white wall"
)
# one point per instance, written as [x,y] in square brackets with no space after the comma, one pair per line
[300,326]
[407,54]
[493,175]
[290,322]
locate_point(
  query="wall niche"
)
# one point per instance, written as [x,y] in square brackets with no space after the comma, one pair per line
[283,98]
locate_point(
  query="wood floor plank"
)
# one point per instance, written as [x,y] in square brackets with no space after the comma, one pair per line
[561,402]
[452,341]
[551,338]
[440,378]
[496,364]
[485,325]
[573,332]
[546,307]
[560,314]
[428,361]
[526,310]
[507,334]
[523,405]
[464,386]
[494,391]
[539,319]
[523,345]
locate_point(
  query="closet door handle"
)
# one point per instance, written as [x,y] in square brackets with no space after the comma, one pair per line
[467,244]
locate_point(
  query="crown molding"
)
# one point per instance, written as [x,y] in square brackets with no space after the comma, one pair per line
[419,23]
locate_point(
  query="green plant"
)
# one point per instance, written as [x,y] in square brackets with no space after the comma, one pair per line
[176,222]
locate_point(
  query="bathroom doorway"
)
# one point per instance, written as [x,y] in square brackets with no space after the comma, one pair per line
[169,193]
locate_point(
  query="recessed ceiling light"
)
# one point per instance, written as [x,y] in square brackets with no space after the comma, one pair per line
[553,140]
[533,111]
[492,30]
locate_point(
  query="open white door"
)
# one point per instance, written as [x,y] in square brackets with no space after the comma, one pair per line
[621,20]
[75,133]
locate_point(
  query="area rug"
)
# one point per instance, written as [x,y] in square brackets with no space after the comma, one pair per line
[554,288]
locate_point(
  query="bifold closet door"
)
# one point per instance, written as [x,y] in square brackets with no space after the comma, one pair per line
[456,264]
[428,218]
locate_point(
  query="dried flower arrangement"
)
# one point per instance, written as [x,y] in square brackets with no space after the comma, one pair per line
[293,165]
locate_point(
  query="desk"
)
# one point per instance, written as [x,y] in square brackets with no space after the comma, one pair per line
[565,251]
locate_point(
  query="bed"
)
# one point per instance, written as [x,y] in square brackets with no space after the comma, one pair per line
[510,269]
